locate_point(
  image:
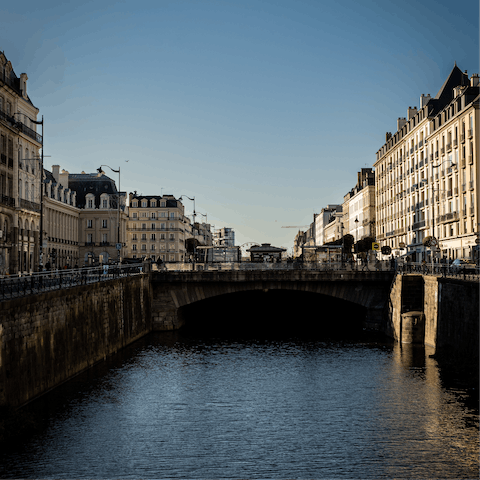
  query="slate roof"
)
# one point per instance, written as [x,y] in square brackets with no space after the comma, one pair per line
[85,183]
[170,200]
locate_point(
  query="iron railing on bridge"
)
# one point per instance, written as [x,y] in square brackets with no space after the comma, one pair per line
[437,269]
[14,286]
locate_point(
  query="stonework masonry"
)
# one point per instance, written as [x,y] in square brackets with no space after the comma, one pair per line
[46,339]
[450,310]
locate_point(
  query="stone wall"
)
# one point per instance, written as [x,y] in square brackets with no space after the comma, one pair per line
[48,338]
[450,307]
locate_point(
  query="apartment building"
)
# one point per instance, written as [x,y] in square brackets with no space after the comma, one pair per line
[321,220]
[102,219]
[20,174]
[224,237]
[359,206]
[61,218]
[427,174]
[156,228]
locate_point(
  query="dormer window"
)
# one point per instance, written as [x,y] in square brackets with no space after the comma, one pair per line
[153,203]
[135,204]
[90,201]
[162,203]
[144,203]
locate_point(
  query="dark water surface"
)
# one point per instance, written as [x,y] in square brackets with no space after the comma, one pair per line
[175,405]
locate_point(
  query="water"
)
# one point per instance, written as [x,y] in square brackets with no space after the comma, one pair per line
[181,406]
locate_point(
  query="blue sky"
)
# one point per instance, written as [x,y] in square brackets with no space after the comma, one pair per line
[262,110]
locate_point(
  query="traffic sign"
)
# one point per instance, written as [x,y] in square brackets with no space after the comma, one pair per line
[433,242]
[375,246]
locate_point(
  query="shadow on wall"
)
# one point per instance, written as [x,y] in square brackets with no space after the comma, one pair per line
[274,313]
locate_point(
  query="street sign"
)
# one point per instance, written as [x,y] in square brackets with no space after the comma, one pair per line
[375,246]
[433,242]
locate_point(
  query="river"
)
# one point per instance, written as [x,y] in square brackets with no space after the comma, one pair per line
[186,405]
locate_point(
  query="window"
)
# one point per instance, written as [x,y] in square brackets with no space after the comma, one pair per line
[153,203]
[172,214]
[162,203]
[104,203]
[134,236]
[144,226]
[89,223]
[105,238]
[134,214]
[90,203]
[152,247]
[104,223]
[134,247]
[153,226]
[144,248]
[162,226]
[134,204]
[144,203]
[89,238]
[153,215]
[152,237]
[144,236]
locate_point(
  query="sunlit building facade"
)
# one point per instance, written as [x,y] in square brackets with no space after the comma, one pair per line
[427,174]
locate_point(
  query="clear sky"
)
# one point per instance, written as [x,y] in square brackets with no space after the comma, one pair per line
[262,110]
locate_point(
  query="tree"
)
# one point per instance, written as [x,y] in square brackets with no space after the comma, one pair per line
[364,245]
[427,241]
[348,242]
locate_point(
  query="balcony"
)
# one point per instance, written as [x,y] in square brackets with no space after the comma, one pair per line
[418,225]
[28,205]
[20,126]
[8,201]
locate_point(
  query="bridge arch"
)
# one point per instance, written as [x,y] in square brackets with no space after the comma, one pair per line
[172,292]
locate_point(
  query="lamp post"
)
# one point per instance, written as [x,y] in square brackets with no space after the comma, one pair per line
[194,215]
[118,245]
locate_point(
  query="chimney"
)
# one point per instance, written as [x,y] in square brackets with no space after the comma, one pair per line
[63,178]
[401,122]
[56,172]
[388,136]
[424,99]
[23,84]
[474,80]
[411,112]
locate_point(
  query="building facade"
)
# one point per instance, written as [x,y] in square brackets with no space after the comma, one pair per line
[427,174]
[224,237]
[156,228]
[20,174]
[61,218]
[102,218]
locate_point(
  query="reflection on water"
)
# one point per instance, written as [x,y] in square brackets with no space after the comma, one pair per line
[179,406]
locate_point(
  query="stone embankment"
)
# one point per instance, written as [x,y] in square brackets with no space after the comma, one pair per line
[48,338]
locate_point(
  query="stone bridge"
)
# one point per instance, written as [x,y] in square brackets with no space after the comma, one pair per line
[173,290]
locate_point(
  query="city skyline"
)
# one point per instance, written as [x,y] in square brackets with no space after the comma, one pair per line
[263,112]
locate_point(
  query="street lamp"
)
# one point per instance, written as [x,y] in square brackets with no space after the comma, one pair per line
[100,171]
[194,215]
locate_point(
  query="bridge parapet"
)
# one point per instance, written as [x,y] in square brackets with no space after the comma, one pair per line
[274,275]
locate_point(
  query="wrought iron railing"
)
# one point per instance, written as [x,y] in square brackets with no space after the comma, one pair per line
[14,286]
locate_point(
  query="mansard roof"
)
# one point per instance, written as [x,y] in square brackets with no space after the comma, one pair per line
[454,79]
[85,183]
[11,79]
[170,200]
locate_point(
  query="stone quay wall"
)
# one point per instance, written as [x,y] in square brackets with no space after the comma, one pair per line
[450,310]
[48,338]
